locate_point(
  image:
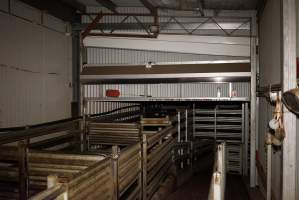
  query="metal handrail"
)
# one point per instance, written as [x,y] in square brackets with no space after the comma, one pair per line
[13,134]
[19,128]
[27,127]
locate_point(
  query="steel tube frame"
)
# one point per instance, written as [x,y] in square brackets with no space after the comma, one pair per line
[269,171]
[246,138]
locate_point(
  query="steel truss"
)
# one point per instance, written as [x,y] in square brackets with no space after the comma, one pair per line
[143,25]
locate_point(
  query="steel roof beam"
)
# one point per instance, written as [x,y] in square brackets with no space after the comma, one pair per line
[75,4]
[149,6]
[56,8]
[108,4]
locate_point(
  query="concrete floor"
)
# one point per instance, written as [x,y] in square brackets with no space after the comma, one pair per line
[197,188]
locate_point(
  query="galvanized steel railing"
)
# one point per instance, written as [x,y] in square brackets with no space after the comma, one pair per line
[105,179]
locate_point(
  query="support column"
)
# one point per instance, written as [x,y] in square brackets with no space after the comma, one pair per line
[115,166]
[76,73]
[23,171]
[144,167]
[289,82]
[253,102]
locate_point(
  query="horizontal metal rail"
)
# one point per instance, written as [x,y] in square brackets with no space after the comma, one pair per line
[13,134]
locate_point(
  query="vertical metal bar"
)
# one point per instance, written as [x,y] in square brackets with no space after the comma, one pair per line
[246,139]
[146,89]
[193,120]
[243,123]
[192,139]
[186,125]
[289,82]
[144,167]
[230,90]
[76,73]
[257,102]
[23,170]
[269,171]
[215,123]
[253,102]
[224,168]
[84,131]
[179,127]
[242,146]
[140,172]
[115,172]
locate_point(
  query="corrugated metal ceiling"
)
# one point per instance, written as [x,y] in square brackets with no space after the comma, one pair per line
[119,3]
[185,4]
[231,4]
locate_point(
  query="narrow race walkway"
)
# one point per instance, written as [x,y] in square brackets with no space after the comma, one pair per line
[197,188]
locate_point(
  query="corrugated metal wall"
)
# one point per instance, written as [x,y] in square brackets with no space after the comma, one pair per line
[125,56]
[177,90]
[163,90]
[35,67]
[101,56]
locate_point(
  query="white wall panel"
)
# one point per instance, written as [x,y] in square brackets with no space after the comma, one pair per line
[35,67]
[125,56]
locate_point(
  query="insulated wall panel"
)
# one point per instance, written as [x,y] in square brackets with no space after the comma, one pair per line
[35,69]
